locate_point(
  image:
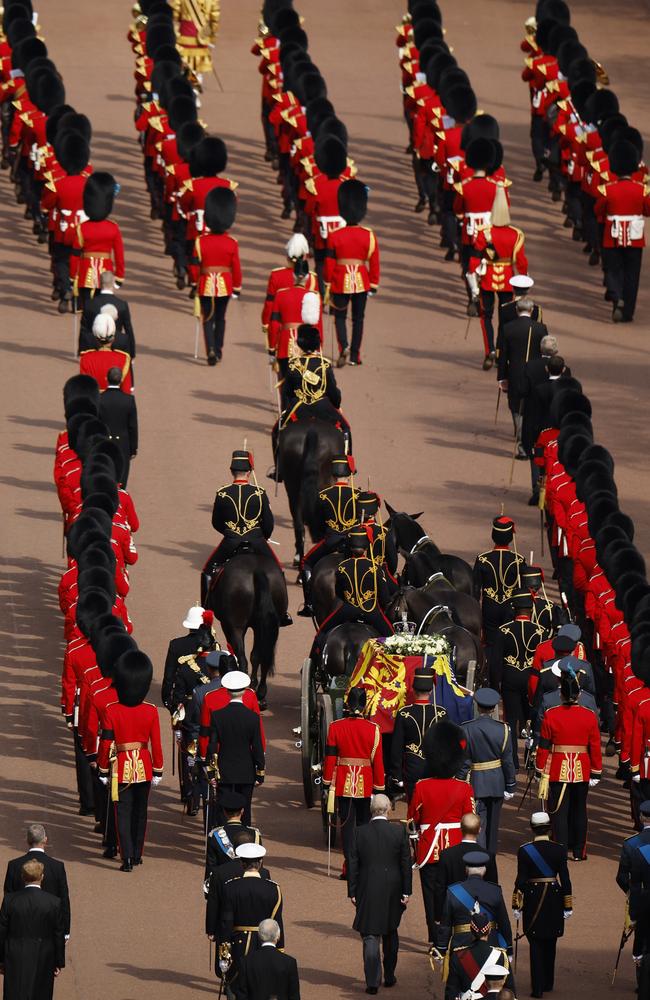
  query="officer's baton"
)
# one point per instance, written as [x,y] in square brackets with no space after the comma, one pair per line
[516,944]
[173,754]
[526,789]
[496,412]
[625,935]
[329,845]
[210,954]
[469,320]
[75,330]
[196,337]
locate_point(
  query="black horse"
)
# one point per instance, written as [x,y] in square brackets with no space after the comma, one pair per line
[342,648]
[422,556]
[305,452]
[323,594]
[250,593]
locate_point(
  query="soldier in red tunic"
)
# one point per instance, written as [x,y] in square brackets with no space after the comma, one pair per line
[351,268]
[437,805]
[353,766]
[97,363]
[130,753]
[621,207]
[208,159]
[569,763]
[220,276]
[282,277]
[475,196]
[97,244]
[286,318]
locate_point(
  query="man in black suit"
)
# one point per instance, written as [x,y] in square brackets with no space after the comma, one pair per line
[537,409]
[182,645]
[236,740]
[32,941]
[124,336]
[520,343]
[118,411]
[217,878]
[379,886]
[451,866]
[54,878]
[268,972]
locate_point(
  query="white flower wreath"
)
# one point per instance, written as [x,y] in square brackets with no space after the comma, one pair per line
[418,645]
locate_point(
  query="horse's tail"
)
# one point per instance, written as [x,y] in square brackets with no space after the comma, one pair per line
[309,478]
[350,655]
[266,624]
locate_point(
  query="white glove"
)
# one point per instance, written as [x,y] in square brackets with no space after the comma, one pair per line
[567,914]
[516,914]
[508,795]
[637,777]
[103,780]
[593,782]
[157,778]
[177,735]
[191,761]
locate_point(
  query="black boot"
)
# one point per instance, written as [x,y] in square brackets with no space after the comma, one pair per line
[127,865]
[306,610]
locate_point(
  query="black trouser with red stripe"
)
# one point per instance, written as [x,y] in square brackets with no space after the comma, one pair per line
[340,309]
[213,315]
[131,818]
[568,814]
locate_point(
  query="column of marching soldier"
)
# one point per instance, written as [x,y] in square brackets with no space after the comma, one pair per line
[132,671]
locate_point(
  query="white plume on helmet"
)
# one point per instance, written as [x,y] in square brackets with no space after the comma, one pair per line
[297,247]
[311,308]
[104,327]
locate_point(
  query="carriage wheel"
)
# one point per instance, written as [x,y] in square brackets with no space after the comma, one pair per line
[310,752]
[325,718]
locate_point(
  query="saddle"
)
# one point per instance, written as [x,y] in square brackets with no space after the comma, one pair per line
[437,578]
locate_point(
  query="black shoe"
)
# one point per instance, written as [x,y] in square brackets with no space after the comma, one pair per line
[110,852]
[488,361]
[99,826]
[556,196]
[533,500]
[521,455]
[431,217]
[372,990]
[617,314]
[538,175]
[420,205]
[286,212]
[86,812]
[306,611]
[451,253]
[271,474]
[219,356]
[389,982]
[56,294]
[594,258]
[567,223]
[343,358]
[355,361]
[268,156]
[577,235]
[137,861]
[286,620]
[127,865]
[180,282]
[63,306]
[212,359]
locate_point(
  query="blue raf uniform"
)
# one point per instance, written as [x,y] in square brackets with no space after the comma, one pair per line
[465,898]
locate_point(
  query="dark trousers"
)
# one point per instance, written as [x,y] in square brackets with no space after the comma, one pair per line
[542,964]
[84,775]
[340,305]
[352,813]
[246,791]
[622,273]
[131,818]
[589,222]
[489,811]
[213,314]
[449,223]
[61,267]
[515,713]
[538,137]
[569,817]
[428,885]
[487,312]
[373,945]
[426,180]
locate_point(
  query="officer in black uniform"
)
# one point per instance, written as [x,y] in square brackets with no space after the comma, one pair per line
[490,766]
[337,511]
[213,886]
[542,894]
[407,761]
[634,855]
[220,848]
[510,663]
[178,647]
[246,901]
[235,745]
[190,673]
[467,965]
[462,901]
[497,575]
[361,587]
[548,616]
[382,547]
[521,285]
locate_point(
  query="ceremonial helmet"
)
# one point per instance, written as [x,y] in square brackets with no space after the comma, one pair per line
[353,201]
[461,103]
[220,210]
[133,673]
[241,461]
[343,466]
[521,601]
[109,645]
[444,749]
[479,154]
[182,110]
[355,700]
[74,121]
[91,603]
[424,677]
[370,503]
[503,529]
[357,539]
[99,193]
[532,577]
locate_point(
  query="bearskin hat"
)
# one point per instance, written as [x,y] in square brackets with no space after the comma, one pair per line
[283,19]
[220,210]
[450,79]
[308,338]
[422,9]
[74,425]
[624,158]
[570,450]
[581,74]
[20,29]
[109,645]
[132,676]
[111,450]
[557,10]
[641,659]
[99,579]
[91,603]
[177,86]
[609,534]
[601,105]
[330,155]
[310,86]
[272,7]
[53,120]
[98,557]
[48,92]
[444,749]
[591,480]
[480,127]
[161,73]
[91,429]
[353,201]
[80,385]
[437,66]
[424,30]
[578,422]
[559,34]
[629,134]
[622,521]
[600,454]
[72,151]
[610,127]
[479,154]
[317,110]
[333,127]
[600,506]
[461,103]
[294,36]
[159,34]
[209,157]
[618,559]
[26,51]
[181,110]
[566,401]
[16,11]
[73,121]
[100,501]
[631,588]
[188,136]
[101,483]
[99,194]
[83,405]
[89,520]
[568,53]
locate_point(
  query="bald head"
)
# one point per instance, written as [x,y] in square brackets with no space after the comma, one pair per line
[470,825]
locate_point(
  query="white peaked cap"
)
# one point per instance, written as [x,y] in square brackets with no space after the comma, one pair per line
[104,327]
[250,852]
[521,281]
[311,308]
[194,617]
[540,819]
[297,247]
[235,680]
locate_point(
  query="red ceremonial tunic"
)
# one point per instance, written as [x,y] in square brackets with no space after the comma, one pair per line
[219,266]
[136,734]
[96,247]
[97,363]
[286,318]
[569,744]
[502,248]
[352,262]
[622,206]
[353,758]
[436,808]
